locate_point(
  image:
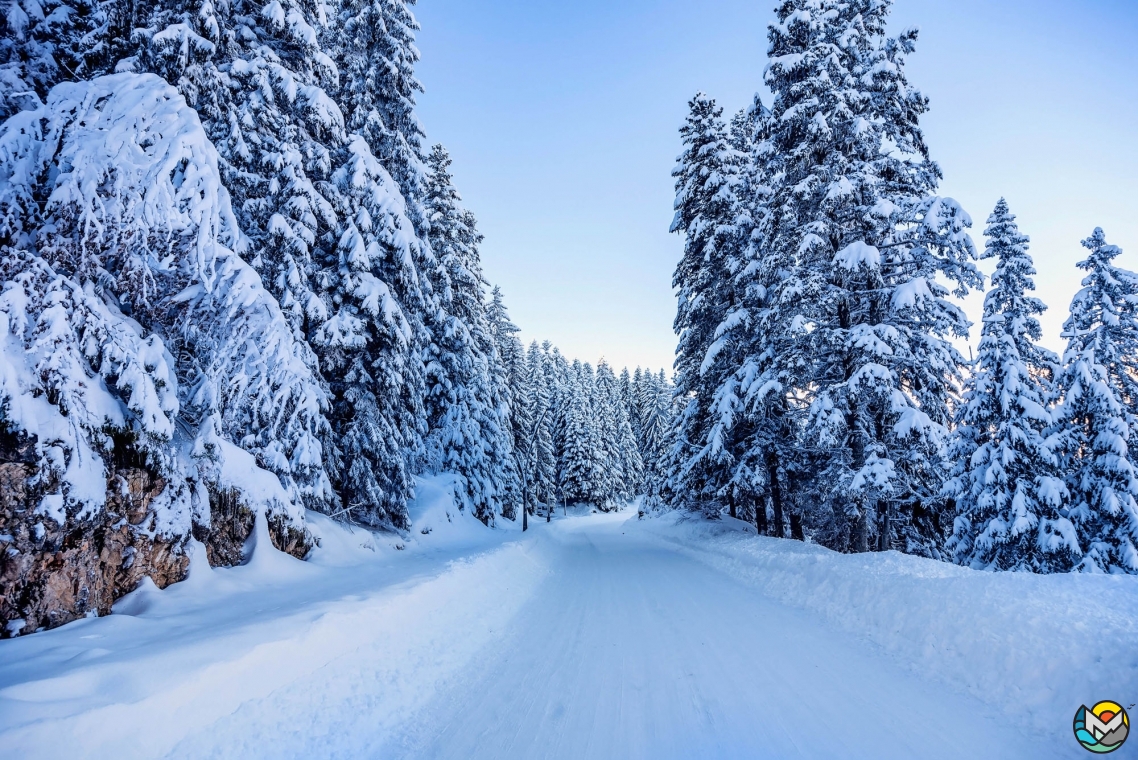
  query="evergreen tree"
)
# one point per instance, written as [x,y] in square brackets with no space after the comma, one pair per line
[559,375]
[49,41]
[578,476]
[619,457]
[754,432]
[368,339]
[468,434]
[868,257]
[657,410]
[706,209]
[628,400]
[1006,483]
[136,252]
[506,365]
[374,47]
[543,474]
[332,233]
[635,407]
[1093,424]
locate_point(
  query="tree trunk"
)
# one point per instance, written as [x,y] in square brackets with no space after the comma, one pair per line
[884,540]
[776,493]
[796,527]
[861,532]
[731,505]
[761,516]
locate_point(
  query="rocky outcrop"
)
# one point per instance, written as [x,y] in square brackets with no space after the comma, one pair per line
[231,523]
[51,574]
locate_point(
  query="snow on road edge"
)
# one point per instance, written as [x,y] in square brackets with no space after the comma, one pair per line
[1030,645]
[469,603]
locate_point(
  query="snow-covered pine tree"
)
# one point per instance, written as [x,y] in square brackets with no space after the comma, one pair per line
[544,473]
[155,235]
[607,455]
[468,434]
[559,376]
[635,408]
[754,432]
[507,369]
[148,349]
[628,400]
[1117,307]
[505,334]
[1093,424]
[333,234]
[872,255]
[657,409]
[632,461]
[369,339]
[523,415]
[706,206]
[49,41]
[259,79]
[1006,482]
[374,47]
[620,457]
[582,480]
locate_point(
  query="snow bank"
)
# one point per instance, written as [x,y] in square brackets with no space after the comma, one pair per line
[1034,645]
[267,653]
[437,521]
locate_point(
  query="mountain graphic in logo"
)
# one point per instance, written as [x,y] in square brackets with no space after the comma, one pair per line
[1102,728]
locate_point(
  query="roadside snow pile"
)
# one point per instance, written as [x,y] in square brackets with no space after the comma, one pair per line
[437,521]
[1039,645]
[274,654]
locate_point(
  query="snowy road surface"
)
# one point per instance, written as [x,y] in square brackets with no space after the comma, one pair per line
[590,637]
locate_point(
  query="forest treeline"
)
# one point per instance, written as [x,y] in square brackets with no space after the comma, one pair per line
[236,284]
[821,394]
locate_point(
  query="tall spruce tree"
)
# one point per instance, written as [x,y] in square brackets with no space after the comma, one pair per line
[1093,423]
[869,256]
[544,464]
[579,479]
[755,426]
[333,234]
[618,457]
[706,206]
[655,401]
[507,363]
[1006,483]
[374,47]
[468,433]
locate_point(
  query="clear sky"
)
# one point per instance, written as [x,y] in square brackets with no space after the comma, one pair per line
[562,120]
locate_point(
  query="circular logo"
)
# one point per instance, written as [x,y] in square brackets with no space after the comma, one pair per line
[1102,728]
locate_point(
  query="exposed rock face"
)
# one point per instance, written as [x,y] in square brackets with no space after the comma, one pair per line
[52,574]
[231,524]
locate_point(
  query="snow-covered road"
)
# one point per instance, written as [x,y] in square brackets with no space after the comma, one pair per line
[591,637]
[629,649]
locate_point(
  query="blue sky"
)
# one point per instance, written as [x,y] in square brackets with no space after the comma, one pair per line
[562,121]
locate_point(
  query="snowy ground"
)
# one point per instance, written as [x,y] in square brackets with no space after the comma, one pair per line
[596,636]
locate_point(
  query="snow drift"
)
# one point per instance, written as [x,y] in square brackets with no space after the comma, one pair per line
[1026,644]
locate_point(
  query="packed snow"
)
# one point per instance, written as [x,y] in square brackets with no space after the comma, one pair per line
[596,635]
